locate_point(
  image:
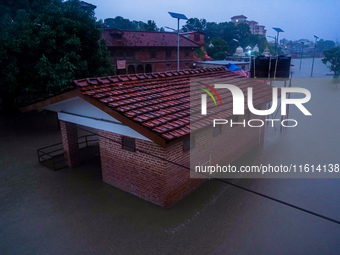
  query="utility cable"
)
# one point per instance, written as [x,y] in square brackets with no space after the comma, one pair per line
[229,183]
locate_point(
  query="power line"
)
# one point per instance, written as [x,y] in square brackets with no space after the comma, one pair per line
[229,183]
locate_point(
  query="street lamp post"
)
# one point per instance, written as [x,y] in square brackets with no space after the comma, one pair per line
[301,55]
[278,30]
[177,16]
[274,37]
[316,39]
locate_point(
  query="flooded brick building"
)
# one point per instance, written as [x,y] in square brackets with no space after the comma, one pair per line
[146,133]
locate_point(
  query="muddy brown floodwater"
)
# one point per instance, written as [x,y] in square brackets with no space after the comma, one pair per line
[72,211]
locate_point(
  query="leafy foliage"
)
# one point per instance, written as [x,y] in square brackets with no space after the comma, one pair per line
[45,44]
[217,48]
[125,24]
[325,44]
[194,24]
[226,31]
[332,56]
[200,53]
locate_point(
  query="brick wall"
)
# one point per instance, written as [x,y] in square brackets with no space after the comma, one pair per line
[160,63]
[160,54]
[228,146]
[69,137]
[224,148]
[161,182]
[178,181]
[134,172]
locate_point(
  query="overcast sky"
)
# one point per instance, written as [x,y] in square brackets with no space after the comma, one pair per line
[298,18]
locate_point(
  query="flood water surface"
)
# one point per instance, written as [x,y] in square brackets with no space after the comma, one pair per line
[72,211]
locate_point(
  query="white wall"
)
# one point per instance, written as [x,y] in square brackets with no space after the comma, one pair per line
[78,111]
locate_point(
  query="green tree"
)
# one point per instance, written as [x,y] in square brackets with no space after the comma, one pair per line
[212,30]
[226,31]
[195,24]
[217,48]
[332,56]
[139,25]
[242,32]
[254,39]
[325,45]
[151,26]
[126,24]
[121,23]
[45,44]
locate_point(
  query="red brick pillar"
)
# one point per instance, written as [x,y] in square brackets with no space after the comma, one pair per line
[70,143]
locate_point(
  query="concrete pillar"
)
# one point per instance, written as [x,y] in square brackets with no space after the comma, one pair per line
[70,143]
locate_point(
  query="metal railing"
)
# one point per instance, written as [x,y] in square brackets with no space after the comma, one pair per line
[52,156]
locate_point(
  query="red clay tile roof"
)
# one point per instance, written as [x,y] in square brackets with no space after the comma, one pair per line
[145,39]
[160,102]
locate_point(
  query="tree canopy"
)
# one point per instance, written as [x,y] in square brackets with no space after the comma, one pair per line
[227,32]
[45,44]
[126,24]
[332,56]
[325,44]
[217,48]
[195,24]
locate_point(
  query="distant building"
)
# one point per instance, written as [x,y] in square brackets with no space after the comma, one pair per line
[146,52]
[242,63]
[255,28]
[266,52]
[197,37]
[239,52]
[87,6]
[239,19]
[298,48]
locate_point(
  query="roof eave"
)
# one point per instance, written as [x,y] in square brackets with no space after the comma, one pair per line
[52,100]
[77,93]
[128,122]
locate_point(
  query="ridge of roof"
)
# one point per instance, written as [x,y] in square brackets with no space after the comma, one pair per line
[163,106]
[141,76]
[159,105]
